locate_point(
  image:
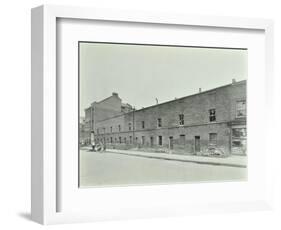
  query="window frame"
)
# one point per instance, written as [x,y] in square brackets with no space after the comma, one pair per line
[159,122]
[212,142]
[236,109]
[212,115]
[160,140]
[181,119]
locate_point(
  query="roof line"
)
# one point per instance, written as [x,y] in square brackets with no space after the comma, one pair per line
[191,95]
[98,102]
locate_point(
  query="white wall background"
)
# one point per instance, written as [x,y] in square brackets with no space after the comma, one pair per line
[15,112]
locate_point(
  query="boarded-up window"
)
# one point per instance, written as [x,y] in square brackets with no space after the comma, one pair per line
[213,138]
[182,140]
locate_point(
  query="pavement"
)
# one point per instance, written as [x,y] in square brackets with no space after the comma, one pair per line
[231,161]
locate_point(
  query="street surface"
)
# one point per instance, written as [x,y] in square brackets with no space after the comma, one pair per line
[113,169]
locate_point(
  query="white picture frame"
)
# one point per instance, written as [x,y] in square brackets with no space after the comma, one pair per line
[46,181]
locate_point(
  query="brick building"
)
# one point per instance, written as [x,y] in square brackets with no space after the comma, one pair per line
[211,119]
[83,133]
[98,111]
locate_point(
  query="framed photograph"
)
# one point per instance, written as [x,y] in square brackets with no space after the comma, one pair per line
[138,114]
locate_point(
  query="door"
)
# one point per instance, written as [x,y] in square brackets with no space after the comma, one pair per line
[142,140]
[151,142]
[171,142]
[197,144]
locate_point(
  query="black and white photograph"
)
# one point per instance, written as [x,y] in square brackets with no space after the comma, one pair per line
[161,114]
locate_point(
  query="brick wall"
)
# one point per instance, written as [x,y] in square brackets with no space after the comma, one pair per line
[195,109]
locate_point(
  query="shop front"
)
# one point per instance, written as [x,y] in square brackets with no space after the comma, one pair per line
[239,138]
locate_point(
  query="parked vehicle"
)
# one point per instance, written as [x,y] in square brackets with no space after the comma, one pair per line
[97,147]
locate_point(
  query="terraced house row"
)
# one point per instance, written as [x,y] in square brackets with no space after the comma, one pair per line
[213,119]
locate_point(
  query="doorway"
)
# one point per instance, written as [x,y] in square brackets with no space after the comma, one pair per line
[151,142]
[197,144]
[171,142]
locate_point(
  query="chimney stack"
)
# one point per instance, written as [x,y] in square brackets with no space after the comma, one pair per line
[200,90]
[233,80]
[115,94]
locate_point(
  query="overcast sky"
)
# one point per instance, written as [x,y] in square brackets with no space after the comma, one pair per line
[139,73]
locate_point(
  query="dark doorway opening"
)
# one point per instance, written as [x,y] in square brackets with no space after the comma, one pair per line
[197,144]
[171,142]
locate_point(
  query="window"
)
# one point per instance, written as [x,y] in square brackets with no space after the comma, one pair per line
[212,115]
[213,138]
[241,108]
[119,128]
[159,122]
[142,124]
[97,131]
[142,140]
[181,118]
[130,126]
[103,130]
[111,129]
[111,140]
[120,140]
[130,139]
[125,140]
[239,133]
[136,139]
[239,141]
[159,140]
